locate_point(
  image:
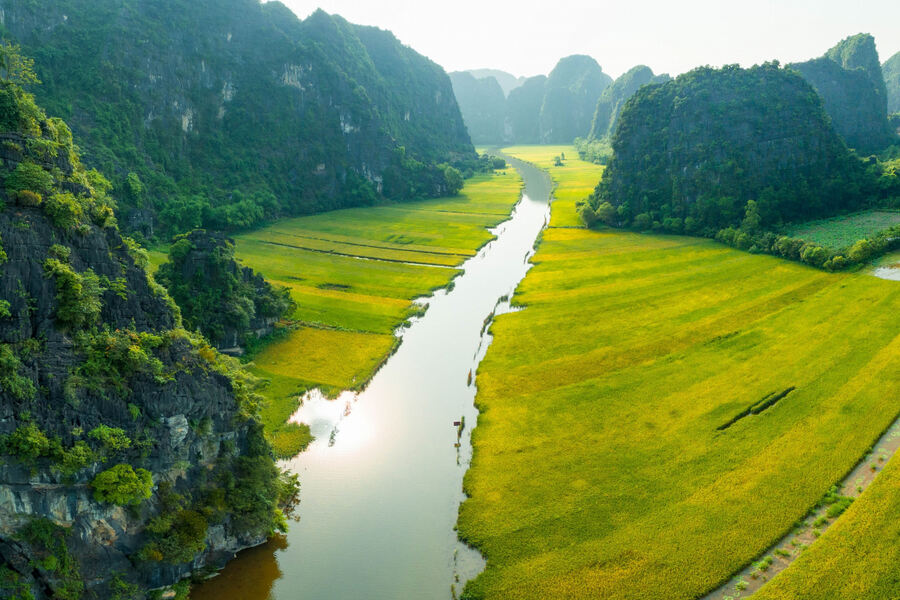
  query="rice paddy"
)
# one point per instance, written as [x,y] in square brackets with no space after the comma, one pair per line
[602,468]
[839,233]
[354,275]
[576,179]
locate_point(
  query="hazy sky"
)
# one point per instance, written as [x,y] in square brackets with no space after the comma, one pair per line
[527,37]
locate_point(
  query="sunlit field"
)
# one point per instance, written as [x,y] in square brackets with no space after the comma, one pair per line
[354,274]
[576,178]
[839,233]
[603,465]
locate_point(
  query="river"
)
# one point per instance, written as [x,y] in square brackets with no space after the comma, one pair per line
[382,483]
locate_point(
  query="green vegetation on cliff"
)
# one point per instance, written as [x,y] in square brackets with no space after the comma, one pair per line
[223,114]
[483,106]
[570,99]
[102,393]
[891,71]
[229,304]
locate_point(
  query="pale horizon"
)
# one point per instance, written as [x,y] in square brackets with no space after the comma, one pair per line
[667,37]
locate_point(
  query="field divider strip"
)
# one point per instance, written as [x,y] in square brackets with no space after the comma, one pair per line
[358,257]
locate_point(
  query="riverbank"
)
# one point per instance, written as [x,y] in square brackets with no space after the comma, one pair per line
[600,467]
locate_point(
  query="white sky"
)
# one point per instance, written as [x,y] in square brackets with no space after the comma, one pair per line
[527,37]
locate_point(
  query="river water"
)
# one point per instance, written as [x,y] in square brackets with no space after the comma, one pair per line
[382,482]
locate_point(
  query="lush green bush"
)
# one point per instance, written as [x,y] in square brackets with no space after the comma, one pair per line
[11,381]
[48,541]
[122,485]
[112,439]
[28,176]
[77,294]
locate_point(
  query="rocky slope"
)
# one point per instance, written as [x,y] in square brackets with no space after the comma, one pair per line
[614,97]
[232,111]
[508,82]
[891,71]
[483,106]
[570,99]
[691,153]
[129,451]
[851,83]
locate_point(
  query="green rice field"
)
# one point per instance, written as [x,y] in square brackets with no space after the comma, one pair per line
[615,455]
[839,233]
[575,180]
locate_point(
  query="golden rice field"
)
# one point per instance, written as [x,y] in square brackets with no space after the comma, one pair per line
[600,469]
[353,274]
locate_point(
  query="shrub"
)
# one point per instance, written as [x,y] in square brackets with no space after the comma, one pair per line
[11,382]
[122,485]
[29,176]
[112,439]
[77,294]
[27,443]
[64,210]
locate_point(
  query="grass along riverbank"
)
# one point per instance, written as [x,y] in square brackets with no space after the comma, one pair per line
[354,274]
[575,179]
[602,468]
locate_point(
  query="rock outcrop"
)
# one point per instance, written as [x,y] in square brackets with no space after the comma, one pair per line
[229,303]
[851,83]
[891,71]
[483,106]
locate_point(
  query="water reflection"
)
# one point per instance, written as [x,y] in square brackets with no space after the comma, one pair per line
[250,578]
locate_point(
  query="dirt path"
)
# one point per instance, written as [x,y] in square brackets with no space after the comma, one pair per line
[781,555]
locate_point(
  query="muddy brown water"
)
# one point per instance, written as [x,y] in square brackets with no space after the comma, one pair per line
[382,483]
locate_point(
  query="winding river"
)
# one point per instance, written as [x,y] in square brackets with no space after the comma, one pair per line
[382,482]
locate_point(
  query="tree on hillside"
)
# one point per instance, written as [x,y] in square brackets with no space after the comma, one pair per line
[15,68]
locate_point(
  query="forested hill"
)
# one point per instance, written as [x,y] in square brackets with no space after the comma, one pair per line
[690,154]
[850,81]
[614,97]
[228,112]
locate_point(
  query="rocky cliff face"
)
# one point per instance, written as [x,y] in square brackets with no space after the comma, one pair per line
[231,111]
[891,71]
[129,452]
[850,81]
[483,106]
[570,99]
[614,97]
[538,110]
[523,111]
[691,153]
